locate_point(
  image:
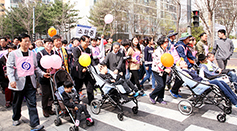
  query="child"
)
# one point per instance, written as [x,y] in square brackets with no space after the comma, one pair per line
[127,84]
[221,84]
[71,100]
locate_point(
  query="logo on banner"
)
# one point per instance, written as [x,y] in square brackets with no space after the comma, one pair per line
[25,65]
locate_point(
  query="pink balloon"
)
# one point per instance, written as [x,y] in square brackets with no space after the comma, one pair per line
[46,61]
[56,61]
[108,18]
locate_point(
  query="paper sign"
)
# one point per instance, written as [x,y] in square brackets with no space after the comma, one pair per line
[85,30]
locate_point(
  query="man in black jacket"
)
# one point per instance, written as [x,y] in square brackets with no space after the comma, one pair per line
[79,73]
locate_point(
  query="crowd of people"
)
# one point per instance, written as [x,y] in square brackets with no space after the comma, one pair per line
[134,60]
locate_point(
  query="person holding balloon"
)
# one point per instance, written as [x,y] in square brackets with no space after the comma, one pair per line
[21,68]
[160,64]
[79,70]
[45,66]
[62,52]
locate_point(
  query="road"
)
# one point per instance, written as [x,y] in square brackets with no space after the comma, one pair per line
[150,117]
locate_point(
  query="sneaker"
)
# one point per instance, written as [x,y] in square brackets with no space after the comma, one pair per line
[37,128]
[163,103]
[179,96]
[136,94]
[16,123]
[173,95]
[152,100]
[77,123]
[89,119]
[8,104]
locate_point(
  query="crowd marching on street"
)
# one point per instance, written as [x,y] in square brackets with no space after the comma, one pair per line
[135,61]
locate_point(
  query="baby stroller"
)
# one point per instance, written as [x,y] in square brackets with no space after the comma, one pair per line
[202,92]
[110,95]
[59,78]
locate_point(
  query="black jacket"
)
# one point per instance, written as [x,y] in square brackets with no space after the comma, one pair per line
[43,80]
[77,68]
[69,101]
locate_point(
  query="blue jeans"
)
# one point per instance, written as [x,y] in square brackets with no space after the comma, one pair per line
[233,77]
[127,75]
[160,88]
[29,92]
[148,75]
[226,90]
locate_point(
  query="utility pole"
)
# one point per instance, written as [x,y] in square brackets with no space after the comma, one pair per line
[33,23]
[189,16]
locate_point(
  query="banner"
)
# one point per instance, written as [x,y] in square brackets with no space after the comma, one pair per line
[85,30]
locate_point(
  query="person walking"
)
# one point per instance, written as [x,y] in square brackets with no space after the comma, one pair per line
[223,49]
[21,68]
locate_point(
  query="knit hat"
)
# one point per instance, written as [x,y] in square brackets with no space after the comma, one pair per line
[184,36]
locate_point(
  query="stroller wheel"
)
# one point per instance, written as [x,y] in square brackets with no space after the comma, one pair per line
[95,106]
[73,128]
[135,109]
[120,116]
[88,123]
[228,110]
[221,117]
[185,107]
[57,122]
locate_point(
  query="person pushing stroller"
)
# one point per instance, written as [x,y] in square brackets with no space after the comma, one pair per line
[71,99]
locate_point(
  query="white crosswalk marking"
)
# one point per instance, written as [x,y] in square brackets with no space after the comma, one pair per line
[210,114]
[159,111]
[50,124]
[196,128]
[127,124]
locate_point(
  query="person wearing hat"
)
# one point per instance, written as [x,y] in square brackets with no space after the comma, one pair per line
[183,52]
[171,37]
[223,49]
[4,80]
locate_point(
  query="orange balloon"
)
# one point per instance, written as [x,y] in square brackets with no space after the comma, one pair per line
[167,60]
[52,31]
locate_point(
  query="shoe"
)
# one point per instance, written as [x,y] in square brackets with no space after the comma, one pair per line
[163,103]
[45,113]
[89,119]
[235,90]
[51,112]
[82,95]
[16,123]
[173,95]
[136,94]
[8,104]
[37,128]
[152,100]
[77,123]
[179,96]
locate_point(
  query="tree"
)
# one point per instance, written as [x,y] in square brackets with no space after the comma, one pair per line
[63,16]
[196,31]
[226,14]
[206,10]
[24,14]
[119,10]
